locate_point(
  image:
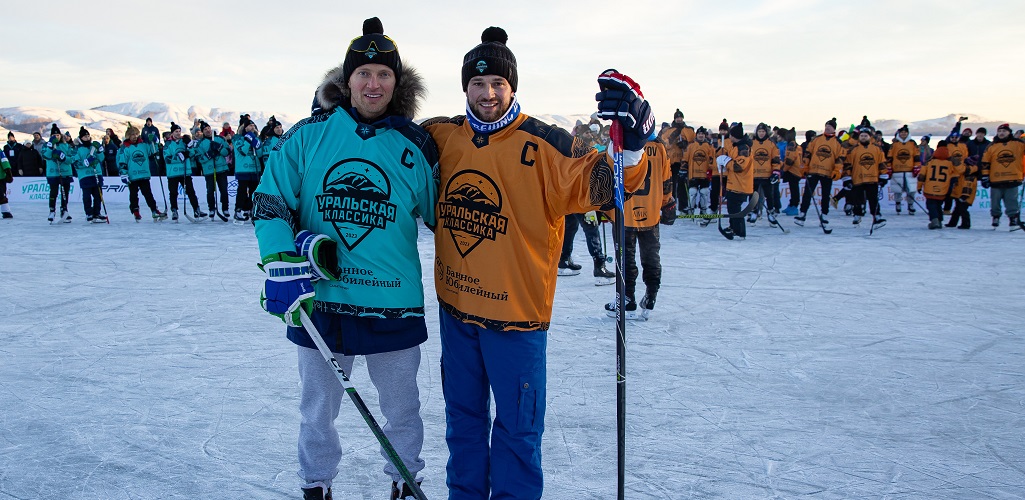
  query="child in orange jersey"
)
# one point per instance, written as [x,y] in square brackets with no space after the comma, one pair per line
[735,162]
[936,180]
[864,173]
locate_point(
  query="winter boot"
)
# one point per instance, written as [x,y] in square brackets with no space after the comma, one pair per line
[791,211]
[319,491]
[53,214]
[799,220]
[911,208]
[174,215]
[399,492]
[966,221]
[935,224]
[568,268]
[138,216]
[996,220]
[602,276]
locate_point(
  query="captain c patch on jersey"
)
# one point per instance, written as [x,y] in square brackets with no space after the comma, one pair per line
[471,210]
[355,200]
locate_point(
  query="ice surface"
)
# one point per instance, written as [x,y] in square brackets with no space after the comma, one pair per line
[136,362]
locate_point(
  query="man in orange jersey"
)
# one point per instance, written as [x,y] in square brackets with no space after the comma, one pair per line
[676,137]
[793,169]
[506,183]
[864,173]
[765,164]
[1002,175]
[905,161]
[642,213]
[824,157]
[735,162]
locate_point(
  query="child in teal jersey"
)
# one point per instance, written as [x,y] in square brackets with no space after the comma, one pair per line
[89,162]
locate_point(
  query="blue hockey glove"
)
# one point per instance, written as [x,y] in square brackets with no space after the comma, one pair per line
[287,288]
[181,156]
[321,252]
[124,180]
[85,162]
[214,148]
[60,156]
[253,140]
[621,99]
[985,182]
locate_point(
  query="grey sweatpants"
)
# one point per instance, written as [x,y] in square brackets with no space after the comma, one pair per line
[1009,197]
[394,376]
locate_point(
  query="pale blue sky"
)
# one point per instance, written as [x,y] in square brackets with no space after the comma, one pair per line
[787,62]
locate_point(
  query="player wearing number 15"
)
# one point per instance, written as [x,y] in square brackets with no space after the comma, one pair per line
[936,180]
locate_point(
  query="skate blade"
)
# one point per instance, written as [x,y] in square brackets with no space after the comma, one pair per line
[604,281]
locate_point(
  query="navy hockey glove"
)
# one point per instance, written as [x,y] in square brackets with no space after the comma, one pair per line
[683,173]
[621,99]
[322,253]
[774,178]
[181,156]
[124,180]
[287,288]
[85,162]
[668,216]
[214,148]
[60,156]
[985,182]
[253,140]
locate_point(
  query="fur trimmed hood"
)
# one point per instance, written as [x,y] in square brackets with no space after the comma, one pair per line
[333,92]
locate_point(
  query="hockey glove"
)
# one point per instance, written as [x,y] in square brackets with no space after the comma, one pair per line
[774,177]
[722,161]
[181,156]
[192,144]
[252,140]
[591,218]
[214,148]
[287,288]
[915,170]
[321,252]
[60,156]
[683,173]
[883,179]
[847,184]
[124,180]
[85,162]
[621,99]
[668,214]
[985,182]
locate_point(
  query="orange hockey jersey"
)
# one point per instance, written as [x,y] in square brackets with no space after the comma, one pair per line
[501,206]
[764,158]
[739,172]
[824,156]
[904,156]
[794,161]
[864,164]
[670,136]
[644,208]
[936,178]
[1003,161]
[699,160]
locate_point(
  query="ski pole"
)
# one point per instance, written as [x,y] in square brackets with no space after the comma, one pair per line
[389,450]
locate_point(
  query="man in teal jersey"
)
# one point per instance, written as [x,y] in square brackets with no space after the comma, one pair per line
[178,160]
[338,206]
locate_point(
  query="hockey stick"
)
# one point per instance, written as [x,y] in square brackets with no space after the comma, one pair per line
[619,237]
[393,456]
[756,198]
[822,224]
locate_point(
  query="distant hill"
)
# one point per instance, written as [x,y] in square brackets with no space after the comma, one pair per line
[23,120]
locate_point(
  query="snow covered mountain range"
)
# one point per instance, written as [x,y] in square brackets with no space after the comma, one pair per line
[24,120]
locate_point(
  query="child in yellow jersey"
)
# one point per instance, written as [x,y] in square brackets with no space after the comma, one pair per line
[936,180]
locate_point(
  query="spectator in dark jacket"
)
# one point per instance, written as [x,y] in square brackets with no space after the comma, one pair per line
[14,151]
[32,160]
[978,145]
[111,145]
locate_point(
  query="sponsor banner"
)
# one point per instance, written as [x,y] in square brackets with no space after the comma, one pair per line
[37,189]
